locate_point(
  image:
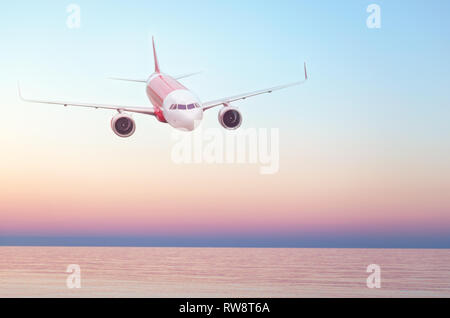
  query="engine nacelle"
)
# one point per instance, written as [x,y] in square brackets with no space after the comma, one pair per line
[230,118]
[123,125]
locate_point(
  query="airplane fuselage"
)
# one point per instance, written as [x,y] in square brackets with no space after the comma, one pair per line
[174,103]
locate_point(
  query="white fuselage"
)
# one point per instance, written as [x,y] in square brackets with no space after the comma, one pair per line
[173,102]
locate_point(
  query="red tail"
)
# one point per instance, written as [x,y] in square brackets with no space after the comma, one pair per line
[155,56]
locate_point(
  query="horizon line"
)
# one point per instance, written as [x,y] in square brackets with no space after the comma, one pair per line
[240,247]
[349,241]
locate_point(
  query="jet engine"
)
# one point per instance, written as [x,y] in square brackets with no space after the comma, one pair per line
[123,125]
[230,118]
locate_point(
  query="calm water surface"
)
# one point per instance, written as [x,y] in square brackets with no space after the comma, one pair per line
[222,272]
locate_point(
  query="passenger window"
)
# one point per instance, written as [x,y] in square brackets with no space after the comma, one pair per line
[174,106]
[181,106]
[191,106]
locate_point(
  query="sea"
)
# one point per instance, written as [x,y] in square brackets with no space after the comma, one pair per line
[223,272]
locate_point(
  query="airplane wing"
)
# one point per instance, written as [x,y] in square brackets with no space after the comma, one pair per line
[132,109]
[230,99]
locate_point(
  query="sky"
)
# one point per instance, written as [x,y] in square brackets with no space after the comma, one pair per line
[364,151]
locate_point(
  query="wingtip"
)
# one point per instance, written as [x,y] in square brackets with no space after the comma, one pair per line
[19,92]
[306,72]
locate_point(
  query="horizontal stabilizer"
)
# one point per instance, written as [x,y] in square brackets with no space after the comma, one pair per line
[185,75]
[178,77]
[128,79]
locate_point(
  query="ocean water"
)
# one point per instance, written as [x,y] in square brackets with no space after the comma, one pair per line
[222,272]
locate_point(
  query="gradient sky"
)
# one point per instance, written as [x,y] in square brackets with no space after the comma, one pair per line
[364,145]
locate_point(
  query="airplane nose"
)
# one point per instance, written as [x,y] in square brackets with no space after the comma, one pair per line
[185,120]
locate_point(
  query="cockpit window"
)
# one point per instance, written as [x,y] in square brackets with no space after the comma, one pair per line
[184,107]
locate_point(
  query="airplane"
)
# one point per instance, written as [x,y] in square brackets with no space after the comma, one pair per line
[172,103]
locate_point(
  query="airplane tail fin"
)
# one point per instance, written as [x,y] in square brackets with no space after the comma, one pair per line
[155,56]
